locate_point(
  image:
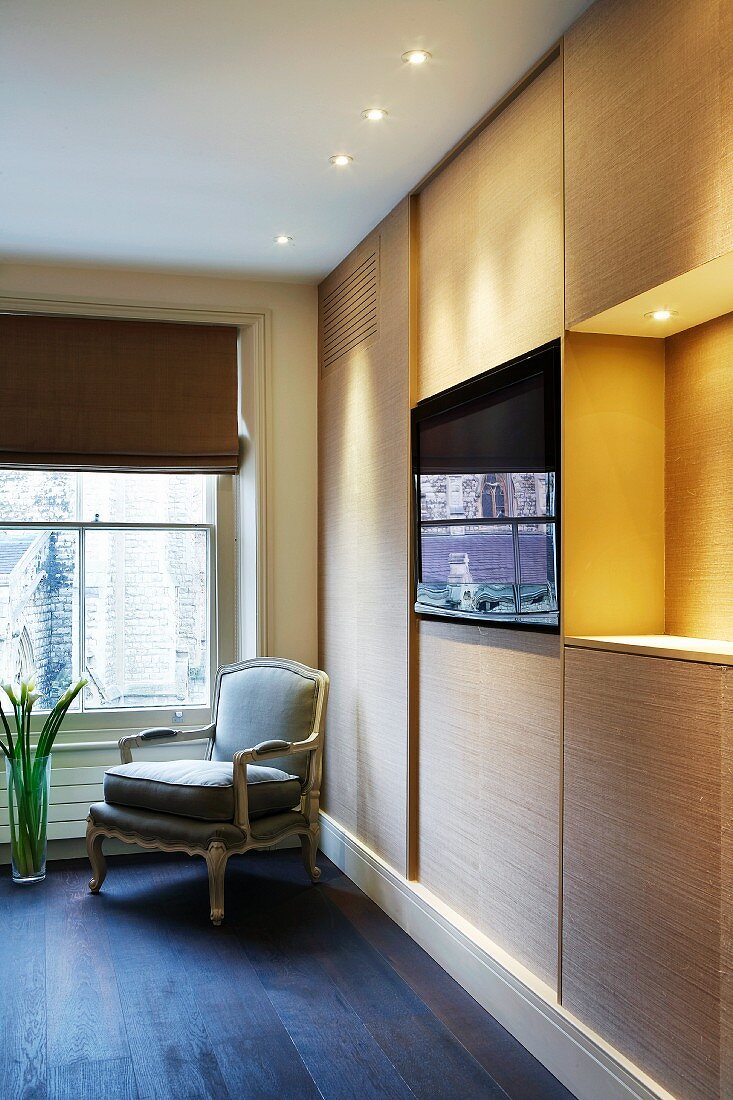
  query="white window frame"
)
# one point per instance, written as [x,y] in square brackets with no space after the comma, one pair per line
[126,717]
[240,566]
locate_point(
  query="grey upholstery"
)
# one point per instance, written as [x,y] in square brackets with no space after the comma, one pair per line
[203,789]
[264,703]
[168,828]
[187,832]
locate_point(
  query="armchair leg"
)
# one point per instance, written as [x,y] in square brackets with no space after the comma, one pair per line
[216,861]
[96,857]
[309,848]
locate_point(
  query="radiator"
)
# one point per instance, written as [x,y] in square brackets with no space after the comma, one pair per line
[77,775]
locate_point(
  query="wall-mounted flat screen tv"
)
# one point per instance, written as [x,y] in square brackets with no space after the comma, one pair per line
[485,471]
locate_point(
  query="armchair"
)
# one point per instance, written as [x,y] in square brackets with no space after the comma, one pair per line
[259,782]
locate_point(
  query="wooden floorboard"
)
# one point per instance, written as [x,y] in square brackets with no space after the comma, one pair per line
[304,992]
[85,1019]
[93,1080]
[23,1068]
[521,1076]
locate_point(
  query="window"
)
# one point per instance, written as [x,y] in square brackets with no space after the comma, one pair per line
[108,576]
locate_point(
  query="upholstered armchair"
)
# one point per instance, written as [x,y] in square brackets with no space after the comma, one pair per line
[259,782]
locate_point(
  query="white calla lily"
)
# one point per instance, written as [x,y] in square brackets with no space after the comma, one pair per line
[11,690]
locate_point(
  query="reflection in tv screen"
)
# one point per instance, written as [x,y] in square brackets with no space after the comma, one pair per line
[502,563]
[485,495]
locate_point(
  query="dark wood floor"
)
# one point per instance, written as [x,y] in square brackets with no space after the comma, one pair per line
[305,991]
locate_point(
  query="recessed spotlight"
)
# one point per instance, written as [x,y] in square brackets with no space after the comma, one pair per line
[661,314]
[341,160]
[282,238]
[416,57]
[374,114]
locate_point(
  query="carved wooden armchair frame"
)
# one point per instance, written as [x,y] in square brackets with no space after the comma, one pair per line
[217,853]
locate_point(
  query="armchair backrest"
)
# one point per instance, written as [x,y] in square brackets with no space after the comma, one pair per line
[266,699]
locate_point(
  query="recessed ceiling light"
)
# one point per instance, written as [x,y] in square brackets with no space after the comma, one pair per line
[416,57]
[282,238]
[374,114]
[341,160]
[661,314]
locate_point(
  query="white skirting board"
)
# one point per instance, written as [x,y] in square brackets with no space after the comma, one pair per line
[527,1008]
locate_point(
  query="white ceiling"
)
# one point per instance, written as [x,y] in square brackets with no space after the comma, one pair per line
[184,134]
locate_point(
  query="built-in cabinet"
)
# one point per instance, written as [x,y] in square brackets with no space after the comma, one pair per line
[647,867]
[648,146]
[594,848]
[490,242]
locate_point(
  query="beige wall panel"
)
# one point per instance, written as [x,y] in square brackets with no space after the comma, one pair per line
[490,783]
[726,908]
[337,581]
[699,460]
[491,243]
[364,547]
[642,861]
[613,485]
[648,134]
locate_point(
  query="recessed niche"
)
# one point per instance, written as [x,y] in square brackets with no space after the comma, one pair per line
[648,443]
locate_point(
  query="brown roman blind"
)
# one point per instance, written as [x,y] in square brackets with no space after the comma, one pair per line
[94,393]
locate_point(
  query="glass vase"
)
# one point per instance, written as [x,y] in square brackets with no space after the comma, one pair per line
[29,782]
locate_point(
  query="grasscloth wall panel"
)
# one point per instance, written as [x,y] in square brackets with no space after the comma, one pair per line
[364,556]
[646,784]
[490,283]
[648,146]
[490,243]
[726,908]
[698,464]
[490,783]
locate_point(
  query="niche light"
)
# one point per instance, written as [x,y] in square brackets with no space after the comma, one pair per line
[661,314]
[282,238]
[416,57]
[374,114]
[341,160]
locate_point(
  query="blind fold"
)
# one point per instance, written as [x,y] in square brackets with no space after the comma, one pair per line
[91,394]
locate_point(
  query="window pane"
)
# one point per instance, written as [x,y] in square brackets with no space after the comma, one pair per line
[486,496]
[146,618]
[144,498]
[37,496]
[538,589]
[39,624]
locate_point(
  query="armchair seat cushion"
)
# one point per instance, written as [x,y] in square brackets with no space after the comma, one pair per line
[201,789]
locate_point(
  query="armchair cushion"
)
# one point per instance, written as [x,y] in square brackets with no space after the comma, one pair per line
[186,831]
[201,789]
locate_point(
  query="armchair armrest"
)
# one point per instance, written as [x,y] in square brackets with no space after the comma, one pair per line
[161,734]
[266,750]
[282,747]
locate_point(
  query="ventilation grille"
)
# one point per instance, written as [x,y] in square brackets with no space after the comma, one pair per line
[350,312]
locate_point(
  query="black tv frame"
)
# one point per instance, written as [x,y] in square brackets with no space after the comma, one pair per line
[465,393]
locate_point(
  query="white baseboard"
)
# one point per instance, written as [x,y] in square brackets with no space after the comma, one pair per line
[526,1007]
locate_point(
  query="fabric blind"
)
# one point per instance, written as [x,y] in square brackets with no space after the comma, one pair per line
[90,394]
